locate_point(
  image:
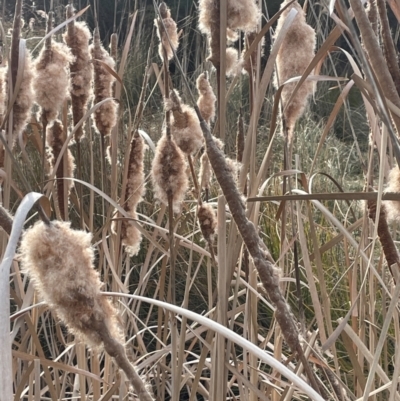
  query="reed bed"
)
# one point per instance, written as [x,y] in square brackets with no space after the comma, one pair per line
[193,214]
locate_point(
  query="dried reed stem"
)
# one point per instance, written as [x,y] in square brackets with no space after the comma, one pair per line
[6,220]
[389,51]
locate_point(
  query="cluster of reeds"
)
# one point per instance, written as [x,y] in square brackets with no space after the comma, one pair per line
[183,222]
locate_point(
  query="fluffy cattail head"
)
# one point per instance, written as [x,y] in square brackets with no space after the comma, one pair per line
[209,23]
[207,98]
[105,117]
[169,173]
[207,221]
[185,125]
[77,38]
[243,15]
[59,261]
[166,29]
[294,56]
[130,235]
[55,140]
[393,207]
[233,62]
[25,98]
[52,81]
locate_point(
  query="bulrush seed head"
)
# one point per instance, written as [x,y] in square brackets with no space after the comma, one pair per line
[55,140]
[243,15]
[169,173]
[170,32]
[294,56]
[77,38]
[25,98]
[105,117]
[185,125]
[59,261]
[207,98]
[233,62]
[393,207]
[52,81]
[130,235]
[207,221]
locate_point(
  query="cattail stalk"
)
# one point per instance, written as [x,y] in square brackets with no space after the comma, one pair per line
[376,58]
[389,51]
[170,153]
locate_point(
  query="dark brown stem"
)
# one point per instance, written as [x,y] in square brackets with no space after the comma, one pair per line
[15,42]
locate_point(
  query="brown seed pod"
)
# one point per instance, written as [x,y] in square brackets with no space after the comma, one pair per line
[59,261]
[185,125]
[52,80]
[130,235]
[207,221]
[294,56]
[207,98]
[105,117]
[55,140]
[77,38]
[166,29]
[169,173]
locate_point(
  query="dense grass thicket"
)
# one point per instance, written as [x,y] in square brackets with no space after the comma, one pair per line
[199,200]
